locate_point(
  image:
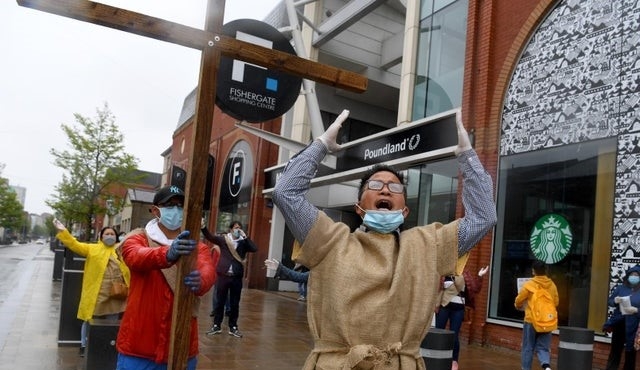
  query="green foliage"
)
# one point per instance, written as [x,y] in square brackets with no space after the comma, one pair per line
[93,164]
[51,229]
[11,211]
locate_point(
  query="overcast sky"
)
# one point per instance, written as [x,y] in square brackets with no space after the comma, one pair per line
[52,67]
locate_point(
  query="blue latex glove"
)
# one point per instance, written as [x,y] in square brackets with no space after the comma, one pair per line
[180,246]
[193,281]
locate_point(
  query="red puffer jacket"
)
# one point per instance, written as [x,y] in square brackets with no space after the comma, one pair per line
[145,330]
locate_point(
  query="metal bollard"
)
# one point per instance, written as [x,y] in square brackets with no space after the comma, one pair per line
[101,345]
[575,350]
[436,349]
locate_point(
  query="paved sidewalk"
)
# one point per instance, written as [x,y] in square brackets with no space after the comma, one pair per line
[276,335]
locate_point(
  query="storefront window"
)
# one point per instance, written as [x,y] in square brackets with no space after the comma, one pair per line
[440,60]
[431,193]
[564,196]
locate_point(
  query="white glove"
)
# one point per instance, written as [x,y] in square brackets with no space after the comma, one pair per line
[272,264]
[632,310]
[617,299]
[483,271]
[447,284]
[464,143]
[329,137]
[58,225]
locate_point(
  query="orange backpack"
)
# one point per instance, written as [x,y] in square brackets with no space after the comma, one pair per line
[544,314]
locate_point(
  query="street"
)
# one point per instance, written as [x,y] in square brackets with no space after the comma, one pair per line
[16,270]
[276,334]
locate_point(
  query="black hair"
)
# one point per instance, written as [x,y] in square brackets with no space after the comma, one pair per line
[234,223]
[539,267]
[379,168]
[107,228]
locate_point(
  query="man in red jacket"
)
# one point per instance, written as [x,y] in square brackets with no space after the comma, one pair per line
[151,254]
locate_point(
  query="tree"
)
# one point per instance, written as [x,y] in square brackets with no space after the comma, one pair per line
[51,229]
[11,211]
[94,163]
[39,231]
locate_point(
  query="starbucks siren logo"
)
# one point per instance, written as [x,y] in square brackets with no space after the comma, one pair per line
[551,238]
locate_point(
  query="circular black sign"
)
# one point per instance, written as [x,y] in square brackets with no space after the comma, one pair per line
[251,92]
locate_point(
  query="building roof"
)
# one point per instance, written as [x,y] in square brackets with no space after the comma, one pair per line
[151,179]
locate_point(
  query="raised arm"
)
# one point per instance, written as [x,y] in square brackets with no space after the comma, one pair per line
[477,194]
[290,190]
[69,241]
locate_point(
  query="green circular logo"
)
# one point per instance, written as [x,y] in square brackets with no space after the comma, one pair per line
[551,238]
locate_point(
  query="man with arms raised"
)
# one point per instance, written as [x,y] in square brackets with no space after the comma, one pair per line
[372,292]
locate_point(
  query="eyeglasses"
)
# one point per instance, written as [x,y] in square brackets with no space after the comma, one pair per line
[394,187]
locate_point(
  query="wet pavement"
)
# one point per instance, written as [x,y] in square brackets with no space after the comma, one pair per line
[274,325]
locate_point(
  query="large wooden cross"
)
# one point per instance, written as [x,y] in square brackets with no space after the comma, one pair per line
[213,44]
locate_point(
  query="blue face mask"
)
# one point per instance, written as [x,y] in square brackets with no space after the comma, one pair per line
[634,280]
[109,240]
[171,217]
[383,222]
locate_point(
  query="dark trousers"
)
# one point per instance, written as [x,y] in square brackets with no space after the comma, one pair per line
[227,287]
[617,346]
[454,314]
[629,360]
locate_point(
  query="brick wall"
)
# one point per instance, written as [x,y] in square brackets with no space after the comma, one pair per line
[497,33]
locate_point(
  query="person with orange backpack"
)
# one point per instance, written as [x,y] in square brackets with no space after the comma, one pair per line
[539,299]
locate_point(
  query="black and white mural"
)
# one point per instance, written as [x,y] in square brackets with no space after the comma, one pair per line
[579,80]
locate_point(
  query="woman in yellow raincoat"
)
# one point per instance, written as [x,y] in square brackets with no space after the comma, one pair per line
[105,277]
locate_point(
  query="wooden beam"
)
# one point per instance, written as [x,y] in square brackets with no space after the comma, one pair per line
[123,20]
[160,29]
[184,299]
[291,64]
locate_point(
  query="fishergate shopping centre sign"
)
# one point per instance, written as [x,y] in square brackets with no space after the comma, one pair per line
[250,92]
[401,147]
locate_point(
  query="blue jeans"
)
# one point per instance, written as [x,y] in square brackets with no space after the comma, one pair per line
[533,341]
[138,363]
[302,289]
[454,313]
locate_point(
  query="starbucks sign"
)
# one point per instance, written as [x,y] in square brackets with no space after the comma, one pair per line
[551,238]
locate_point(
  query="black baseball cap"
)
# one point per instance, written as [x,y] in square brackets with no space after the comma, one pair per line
[166,193]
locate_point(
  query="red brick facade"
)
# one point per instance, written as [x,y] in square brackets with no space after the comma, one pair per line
[497,33]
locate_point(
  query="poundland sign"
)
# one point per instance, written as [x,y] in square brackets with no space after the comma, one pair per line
[400,146]
[400,143]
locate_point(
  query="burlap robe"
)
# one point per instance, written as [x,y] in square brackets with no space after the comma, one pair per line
[371,298]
